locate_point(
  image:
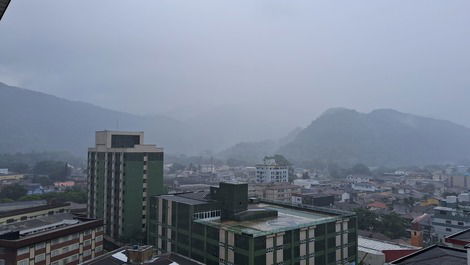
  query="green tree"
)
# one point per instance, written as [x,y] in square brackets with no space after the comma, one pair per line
[56,170]
[13,192]
[360,169]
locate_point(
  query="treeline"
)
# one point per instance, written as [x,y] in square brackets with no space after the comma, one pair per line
[37,162]
[391,224]
[17,192]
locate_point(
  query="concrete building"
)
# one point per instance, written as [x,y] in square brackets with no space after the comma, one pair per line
[270,171]
[357,179]
[273,191]
[51,240]
[123,173]
[224,227]
[447,221]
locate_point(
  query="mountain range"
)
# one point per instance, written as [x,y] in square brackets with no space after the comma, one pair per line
[34,121]
[382,137]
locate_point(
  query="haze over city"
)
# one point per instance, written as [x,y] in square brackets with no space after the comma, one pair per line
[256,58]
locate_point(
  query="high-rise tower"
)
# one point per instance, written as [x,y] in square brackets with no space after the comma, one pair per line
[123,173]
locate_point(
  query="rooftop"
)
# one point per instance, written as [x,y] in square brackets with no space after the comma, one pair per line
[38,225]
[435,255]
[462,235]
[191,198]
[288,218]
[374,246]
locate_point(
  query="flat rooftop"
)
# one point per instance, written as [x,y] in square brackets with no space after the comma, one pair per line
[40,224]
[288,218]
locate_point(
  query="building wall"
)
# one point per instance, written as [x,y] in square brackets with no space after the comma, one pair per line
[171,228]
[120,184]
[68,249]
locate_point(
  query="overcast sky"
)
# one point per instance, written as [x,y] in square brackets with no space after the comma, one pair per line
[301,57]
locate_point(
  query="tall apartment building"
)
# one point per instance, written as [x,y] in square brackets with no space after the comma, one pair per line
[270,171]
[224,227]
[123,173]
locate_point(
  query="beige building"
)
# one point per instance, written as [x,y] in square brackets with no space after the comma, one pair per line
[273,191]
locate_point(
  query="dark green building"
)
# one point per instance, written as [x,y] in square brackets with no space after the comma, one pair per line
[123,174]
[223,227]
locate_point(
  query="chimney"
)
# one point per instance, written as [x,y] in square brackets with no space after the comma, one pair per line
[139,254]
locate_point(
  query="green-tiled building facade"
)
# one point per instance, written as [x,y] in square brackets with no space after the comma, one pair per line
[120,182]
[174,227]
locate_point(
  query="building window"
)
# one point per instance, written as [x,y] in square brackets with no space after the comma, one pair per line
[55,252]
[98,249]
[23,262]
[87,242]
[448,222]
[99,238]
[460,223]
[22,251]
[40,258]
[87,252]
[40,246]
[448,230]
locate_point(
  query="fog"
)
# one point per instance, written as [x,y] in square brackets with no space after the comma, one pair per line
[263,58]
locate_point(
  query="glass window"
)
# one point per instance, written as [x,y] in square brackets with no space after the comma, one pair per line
[23,262]
[22,251]
[40,245]
[40,257]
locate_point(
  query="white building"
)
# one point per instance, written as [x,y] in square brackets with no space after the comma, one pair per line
[357,179]
[364,187]
[306,183]
[270,172]
[4,171]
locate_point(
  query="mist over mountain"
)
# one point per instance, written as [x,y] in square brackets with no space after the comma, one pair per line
[382,137]
[34,121]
